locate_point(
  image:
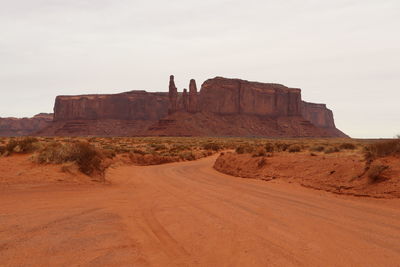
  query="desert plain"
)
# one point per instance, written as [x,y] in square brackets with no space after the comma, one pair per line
[159,201]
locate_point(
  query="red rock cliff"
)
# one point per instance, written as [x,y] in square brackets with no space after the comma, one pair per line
[134,105]
[231,105]
[318,114]
[234,96]
[24,126]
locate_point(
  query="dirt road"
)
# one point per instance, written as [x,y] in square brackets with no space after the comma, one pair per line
[187,214]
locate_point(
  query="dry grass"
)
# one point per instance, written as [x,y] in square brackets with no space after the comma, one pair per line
[88,158]
[294,148]
[348,146]
[90,153]
[382,149]
[332,149]
[21,145]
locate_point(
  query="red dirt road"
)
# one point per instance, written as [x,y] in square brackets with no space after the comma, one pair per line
[187,214]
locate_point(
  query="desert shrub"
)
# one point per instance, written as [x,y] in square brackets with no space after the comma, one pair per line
[151,159]
[23,145]
[212,146]
[317,148]
[11,145]
[158,147]
[242,149]
[269,147]
[375,172]
[332,149]
[382,149]
[53,152]
[2,150]
[281,146]
[259,152]
[121,149]
[187,155]
[294,148]
[179,147]
[348,146]
[86,156]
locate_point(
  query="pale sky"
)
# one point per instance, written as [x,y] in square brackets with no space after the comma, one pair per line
[345,53]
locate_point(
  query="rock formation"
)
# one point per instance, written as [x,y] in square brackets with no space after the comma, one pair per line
[134,105]
[222,107]
[234,107]
[193,96]
[173,96]
[234,96]
[317,114]
[24,126]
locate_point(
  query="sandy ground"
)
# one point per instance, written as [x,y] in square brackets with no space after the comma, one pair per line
[188,214]
[340,173]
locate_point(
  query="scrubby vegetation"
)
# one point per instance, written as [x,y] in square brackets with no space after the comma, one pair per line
[382,149]
[21,145]
[88,158]
[294,148]
[348,146]
[332,149]
[89,154]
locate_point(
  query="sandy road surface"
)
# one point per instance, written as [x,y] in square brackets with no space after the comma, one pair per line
[187,214]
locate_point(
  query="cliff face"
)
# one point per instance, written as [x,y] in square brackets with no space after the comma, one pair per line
[234,96]
[24,126]
[279,109]
[224,107]
[318,114]
[134,105]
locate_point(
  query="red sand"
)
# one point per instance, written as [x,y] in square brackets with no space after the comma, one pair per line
[188,214]
[340,173]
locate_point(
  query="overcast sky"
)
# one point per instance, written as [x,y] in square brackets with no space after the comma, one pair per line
[345,53]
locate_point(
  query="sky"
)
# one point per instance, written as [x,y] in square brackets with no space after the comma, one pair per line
[345,53]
